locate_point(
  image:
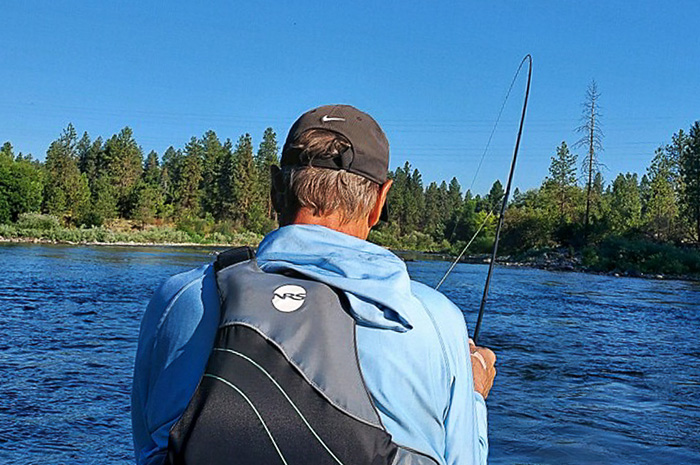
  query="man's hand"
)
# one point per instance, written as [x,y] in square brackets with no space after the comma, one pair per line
[483,369]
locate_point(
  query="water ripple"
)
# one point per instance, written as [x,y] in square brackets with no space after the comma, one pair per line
[592,369]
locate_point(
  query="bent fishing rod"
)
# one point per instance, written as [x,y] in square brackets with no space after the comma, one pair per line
[504,204]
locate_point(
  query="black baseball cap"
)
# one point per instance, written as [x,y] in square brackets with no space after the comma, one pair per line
[368,155]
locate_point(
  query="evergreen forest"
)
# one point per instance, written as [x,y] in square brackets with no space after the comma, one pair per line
[214,191]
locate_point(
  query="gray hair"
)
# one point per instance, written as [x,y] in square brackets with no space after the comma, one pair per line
[322,190]
[325,191]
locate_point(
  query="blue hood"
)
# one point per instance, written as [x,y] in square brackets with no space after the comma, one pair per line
[374,280]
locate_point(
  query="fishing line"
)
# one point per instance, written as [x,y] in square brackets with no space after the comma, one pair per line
[459,257]
[481,161]
[495,126]
[527,59]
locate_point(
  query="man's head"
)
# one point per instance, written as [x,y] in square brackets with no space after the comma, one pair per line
[333,171]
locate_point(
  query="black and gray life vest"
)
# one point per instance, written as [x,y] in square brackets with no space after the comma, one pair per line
[283,383]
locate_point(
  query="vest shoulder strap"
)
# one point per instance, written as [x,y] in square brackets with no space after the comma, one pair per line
[232,256]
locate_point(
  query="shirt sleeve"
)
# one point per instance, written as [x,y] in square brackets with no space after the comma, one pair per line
[175,340]
[482,427]
[466,427]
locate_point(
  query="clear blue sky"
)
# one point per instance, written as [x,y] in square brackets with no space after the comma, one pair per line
[432,73]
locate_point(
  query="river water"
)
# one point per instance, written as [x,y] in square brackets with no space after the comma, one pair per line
[591,369]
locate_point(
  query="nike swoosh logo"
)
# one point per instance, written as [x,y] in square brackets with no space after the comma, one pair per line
[327,118]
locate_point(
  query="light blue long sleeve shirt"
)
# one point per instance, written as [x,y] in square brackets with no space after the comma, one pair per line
[412,344]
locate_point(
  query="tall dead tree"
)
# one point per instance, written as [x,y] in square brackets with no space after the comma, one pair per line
[592,139]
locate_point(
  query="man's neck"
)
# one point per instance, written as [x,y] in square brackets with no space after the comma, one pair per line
[352,228]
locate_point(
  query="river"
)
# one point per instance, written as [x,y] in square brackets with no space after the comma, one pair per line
[591,369]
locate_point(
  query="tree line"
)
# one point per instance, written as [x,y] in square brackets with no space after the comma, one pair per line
[86,182]
[663,205]
[573,207]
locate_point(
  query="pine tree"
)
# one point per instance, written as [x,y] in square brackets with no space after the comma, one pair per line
[418,199]
[146,203]
[410,214]
[151,169]
[170,175]
[103,194]
[690,175]
[494,198]
[226,189]
[397,196]
[240,183]
[66,193]
[517,195]
[212,160]
[103,204]
[124,166]
[21,184]
[266,157]
[454,195]
[645,192]
[187,192]
[444,211]
[85,163]
[597,208]
[561,181]
[91,160]
[7,152]
[453,207]
[432,217]
[592,139]
[625,204]
[147,196]
[661,209]
[465,222]
[562,171]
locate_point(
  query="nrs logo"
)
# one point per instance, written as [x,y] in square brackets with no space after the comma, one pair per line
[288,298]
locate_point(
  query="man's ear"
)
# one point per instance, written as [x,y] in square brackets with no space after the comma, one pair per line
[376,212]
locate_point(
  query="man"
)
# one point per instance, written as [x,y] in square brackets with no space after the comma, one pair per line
[411,342]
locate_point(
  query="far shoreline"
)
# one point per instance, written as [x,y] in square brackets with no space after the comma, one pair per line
[41,240]
[558,265]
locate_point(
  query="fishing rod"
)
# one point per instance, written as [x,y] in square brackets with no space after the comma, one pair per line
[527,58]
[504,205]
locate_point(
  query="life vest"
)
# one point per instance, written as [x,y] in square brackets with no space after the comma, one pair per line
[283,384]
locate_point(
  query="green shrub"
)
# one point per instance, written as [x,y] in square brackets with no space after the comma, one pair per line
[8,230]
[38,221]
[217,238]
[623,254]
[227,227]
[162,235]
[415,240]
[590,257]
[91,219]
[525,229]
[481,244]
[245,238]
[197,227]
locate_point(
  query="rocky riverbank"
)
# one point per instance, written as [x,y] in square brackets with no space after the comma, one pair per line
[561,259]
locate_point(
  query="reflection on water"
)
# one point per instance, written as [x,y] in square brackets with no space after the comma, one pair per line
[592,369]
